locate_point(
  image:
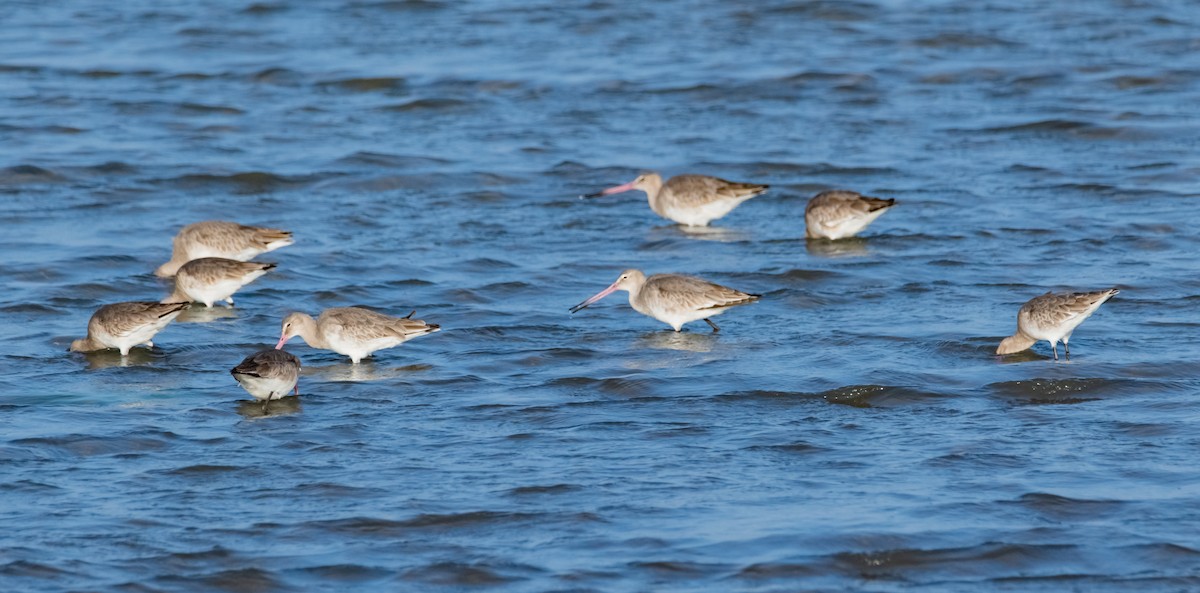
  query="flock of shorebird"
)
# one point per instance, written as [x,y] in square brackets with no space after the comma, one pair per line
[210,261]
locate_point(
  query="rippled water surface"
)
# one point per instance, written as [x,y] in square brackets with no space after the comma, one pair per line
[850,432]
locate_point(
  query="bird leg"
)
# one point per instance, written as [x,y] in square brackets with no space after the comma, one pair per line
[266,402]
[1067,347]
[714,326]
[296,390]
[1054,348]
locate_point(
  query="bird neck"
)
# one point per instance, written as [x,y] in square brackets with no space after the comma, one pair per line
[653,188]
[310,333]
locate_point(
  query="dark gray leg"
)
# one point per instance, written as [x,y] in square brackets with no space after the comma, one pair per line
[1054,347]
[714,326]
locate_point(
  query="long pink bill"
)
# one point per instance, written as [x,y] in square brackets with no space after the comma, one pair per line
[599,295]
[282,340]
[610,191]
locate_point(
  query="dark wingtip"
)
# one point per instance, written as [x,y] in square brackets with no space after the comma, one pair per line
[270,266]
[433,326]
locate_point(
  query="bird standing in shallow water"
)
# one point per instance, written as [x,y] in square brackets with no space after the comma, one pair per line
[838,214]
[125,325]
[674,299]
[353,331]
[217,238]
[693,200]
[211,279]
[268,374]
[1052,317]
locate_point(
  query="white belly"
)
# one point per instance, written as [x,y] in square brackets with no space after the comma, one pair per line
[844,228]
[210,293]
[700,215]
[264,388]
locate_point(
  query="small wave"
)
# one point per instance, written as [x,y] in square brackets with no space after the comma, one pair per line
[1067,391]
[1064,508]
[27,569]
[956,40]
[347,572]
[249,182]
[244,579]
[391,161]
[24,174]
[203,470]
[458,574]
[1050,125]
[259,8]
[540,490]
[400,5]
[426,105]
[388,527]
[366,85]
[829,10]
[872,396]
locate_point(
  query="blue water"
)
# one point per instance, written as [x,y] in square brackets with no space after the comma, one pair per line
[850,432]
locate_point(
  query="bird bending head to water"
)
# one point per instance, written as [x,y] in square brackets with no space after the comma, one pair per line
[1053,317]
[217,238]
[268,374]
[838,214]
[353,331]
[125,325]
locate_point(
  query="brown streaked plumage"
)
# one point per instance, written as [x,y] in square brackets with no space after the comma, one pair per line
[125,325]
[693,200]
[837,214]
[674,299]
[268,374]
[216,238]
[1053,317]
[211,279]
[353,331]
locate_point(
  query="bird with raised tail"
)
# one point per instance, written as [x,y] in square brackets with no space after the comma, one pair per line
[837,214]
[268,374]
[211,279]
[125,325]
[353,331]
[674,299]
[693,200]
[216,238]
[1053,317]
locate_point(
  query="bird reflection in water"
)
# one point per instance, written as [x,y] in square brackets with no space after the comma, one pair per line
[367,370]
[702,233]
[852,247]
[684,341]
[206,314]
[252,409]
[105,359]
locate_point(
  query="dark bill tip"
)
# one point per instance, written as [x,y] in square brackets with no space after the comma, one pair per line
[595,195]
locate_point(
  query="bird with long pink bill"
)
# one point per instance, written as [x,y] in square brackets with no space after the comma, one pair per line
[674,299]
[692,200]
[353,331]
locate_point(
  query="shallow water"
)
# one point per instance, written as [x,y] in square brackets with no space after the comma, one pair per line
[850,432]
